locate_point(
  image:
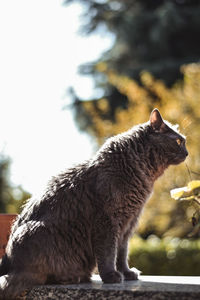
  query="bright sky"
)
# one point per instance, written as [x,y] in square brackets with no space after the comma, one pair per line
[40,51]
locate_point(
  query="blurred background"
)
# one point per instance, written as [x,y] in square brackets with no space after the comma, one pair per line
[74,73]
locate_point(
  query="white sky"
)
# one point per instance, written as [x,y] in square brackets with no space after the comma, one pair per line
[40,51]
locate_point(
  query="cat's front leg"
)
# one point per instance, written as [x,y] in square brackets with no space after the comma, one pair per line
[106,251]
[122,260]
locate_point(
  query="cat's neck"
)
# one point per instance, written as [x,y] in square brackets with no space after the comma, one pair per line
[157,162]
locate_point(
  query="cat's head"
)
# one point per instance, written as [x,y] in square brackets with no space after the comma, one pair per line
[167,138]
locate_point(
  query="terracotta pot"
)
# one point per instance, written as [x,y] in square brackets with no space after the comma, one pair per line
[5,224]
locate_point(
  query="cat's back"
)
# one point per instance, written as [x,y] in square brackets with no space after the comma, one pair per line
[63,192]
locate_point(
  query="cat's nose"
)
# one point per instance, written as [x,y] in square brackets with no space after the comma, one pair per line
[186,153]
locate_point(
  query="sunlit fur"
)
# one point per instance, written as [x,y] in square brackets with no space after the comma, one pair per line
[87,213]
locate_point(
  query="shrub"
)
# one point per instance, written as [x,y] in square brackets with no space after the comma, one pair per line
[166,256]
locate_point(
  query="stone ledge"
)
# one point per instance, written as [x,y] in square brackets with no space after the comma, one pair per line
[147,287]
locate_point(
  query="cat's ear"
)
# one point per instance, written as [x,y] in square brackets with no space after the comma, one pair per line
[156,120]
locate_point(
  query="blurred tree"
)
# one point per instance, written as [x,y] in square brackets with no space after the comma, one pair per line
[11,197]
[156,36]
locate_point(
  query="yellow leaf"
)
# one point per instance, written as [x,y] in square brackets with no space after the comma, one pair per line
[187,192]
[178,193]
[193,185]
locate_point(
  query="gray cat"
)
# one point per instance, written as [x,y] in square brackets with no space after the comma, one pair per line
[87,213]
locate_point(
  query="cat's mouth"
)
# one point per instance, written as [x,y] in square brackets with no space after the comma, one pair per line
[180,158]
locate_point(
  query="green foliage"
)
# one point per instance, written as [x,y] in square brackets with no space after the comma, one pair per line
[11,197]
[175,257]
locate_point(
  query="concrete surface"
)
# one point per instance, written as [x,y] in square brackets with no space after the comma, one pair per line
[147,287]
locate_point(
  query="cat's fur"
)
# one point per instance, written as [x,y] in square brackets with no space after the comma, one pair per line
[88,212]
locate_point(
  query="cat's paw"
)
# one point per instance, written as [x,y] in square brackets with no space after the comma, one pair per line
[131,274]
[112,277]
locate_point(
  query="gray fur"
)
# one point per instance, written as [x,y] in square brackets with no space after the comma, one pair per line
[88,213]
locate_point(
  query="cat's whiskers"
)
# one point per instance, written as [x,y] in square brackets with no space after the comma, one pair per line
[189,171]
[195,173]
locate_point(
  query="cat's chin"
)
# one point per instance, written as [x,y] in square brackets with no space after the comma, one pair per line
[179,160]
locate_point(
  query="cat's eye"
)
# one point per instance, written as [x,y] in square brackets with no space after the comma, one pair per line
[178,141]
